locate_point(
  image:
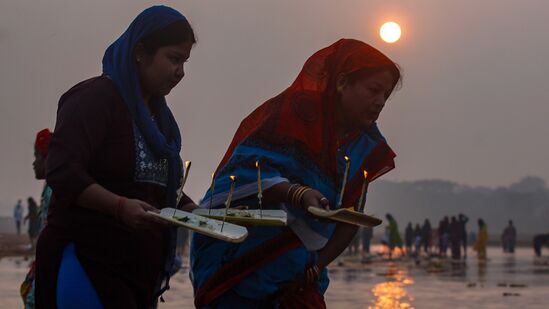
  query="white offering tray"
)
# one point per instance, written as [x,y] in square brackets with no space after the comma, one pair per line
[207,226]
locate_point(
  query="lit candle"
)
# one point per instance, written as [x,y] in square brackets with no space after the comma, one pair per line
[345,175]
[186,175]
[187,169]
[359,206]
[229,200]
[259,190]
[212,189]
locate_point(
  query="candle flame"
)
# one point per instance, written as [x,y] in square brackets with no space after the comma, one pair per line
[365,174]
[187,164]
[346,159]
[233,178]
[256,163]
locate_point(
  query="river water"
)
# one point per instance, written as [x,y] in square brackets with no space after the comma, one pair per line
[504,281]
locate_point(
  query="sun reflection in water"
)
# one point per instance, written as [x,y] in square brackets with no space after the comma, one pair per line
[392,294]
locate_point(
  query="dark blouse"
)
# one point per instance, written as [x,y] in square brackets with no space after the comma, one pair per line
[95,141]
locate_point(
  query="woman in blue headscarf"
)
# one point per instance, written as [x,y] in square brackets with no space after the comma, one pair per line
[114,156]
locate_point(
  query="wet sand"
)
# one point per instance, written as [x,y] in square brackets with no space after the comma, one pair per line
[14,245]
[505,281]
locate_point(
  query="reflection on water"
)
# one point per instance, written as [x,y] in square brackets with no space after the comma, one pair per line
[481,269]
[504,281]
[392,294]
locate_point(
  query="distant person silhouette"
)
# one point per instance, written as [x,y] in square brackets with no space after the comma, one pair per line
[18,216]
[34,221]
[462,220]
[509,238]
[426,235]
[394,235]
[482,240]
[443,235]
[455,238]
[409,237]
[366,237]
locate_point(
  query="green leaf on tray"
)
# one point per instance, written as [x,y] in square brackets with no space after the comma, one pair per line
[182,219]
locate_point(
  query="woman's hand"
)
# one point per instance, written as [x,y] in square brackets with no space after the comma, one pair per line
[313,198]
[133,213]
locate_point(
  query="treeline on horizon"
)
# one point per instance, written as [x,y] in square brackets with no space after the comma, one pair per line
[526,202]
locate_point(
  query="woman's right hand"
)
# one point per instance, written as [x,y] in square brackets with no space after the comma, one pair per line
[133,213]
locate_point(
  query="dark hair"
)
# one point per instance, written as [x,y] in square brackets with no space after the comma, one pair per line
[174,33]
[395,70]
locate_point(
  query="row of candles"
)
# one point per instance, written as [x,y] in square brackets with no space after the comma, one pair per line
[233,179]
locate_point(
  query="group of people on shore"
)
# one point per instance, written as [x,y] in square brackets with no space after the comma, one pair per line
[451,233]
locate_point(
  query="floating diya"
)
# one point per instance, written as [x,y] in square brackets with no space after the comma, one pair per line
[360,205]
[229,200]
[345,175]
[259,189]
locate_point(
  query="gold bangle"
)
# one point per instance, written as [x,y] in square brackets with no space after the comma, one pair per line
[290,191]
[302,194]
[317,272]
[298,195]
[309,276]
[295,194]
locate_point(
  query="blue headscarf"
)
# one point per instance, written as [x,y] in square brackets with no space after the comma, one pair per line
[119,65]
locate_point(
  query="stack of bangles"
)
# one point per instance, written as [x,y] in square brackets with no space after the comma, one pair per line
[295,194]
[312,274]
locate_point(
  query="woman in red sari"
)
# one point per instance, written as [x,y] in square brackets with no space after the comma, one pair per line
[301,138]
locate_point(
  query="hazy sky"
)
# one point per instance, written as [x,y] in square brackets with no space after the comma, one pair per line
[473,107]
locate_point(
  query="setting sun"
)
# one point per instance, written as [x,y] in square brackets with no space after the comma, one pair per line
[390,32]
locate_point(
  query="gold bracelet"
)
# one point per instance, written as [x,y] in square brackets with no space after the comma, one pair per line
[300,200]
[312,274]
[317,272]
[295,195]
[298,195]
[290,191]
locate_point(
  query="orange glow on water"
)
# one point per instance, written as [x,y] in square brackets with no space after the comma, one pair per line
[384,250]
[392,294]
